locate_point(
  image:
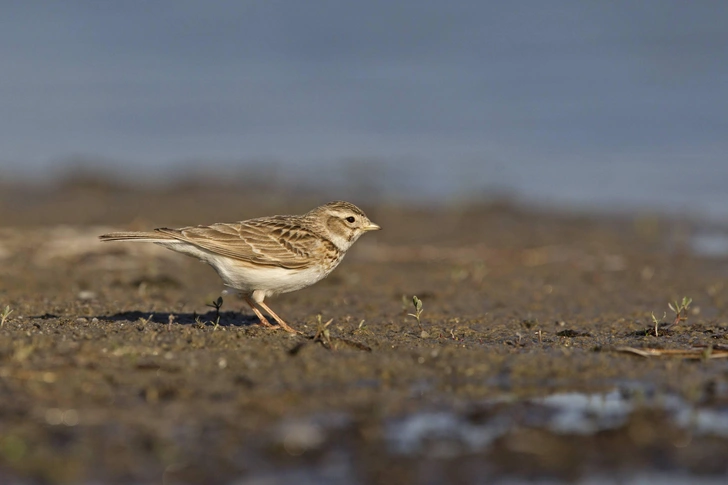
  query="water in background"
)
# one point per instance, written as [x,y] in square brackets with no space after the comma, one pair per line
[587,105]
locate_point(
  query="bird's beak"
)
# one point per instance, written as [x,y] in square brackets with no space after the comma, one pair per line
[372,227]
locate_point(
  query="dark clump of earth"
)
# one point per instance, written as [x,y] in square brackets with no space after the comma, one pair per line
[115,367]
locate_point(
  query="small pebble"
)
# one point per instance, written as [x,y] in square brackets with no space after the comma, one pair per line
[81,320]
[300,436]
[86,295]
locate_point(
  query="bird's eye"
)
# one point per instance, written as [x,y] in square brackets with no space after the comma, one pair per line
[350,219]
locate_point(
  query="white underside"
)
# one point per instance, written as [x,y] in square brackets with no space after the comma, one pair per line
[248,279]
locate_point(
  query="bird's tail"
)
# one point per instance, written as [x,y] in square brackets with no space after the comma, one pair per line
[135,236]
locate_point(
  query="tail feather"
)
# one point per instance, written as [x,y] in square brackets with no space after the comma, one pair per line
[135,236]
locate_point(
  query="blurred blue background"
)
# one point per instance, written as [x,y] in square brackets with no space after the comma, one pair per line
[610,105]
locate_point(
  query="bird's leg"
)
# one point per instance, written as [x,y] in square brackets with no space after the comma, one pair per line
[257,312]
[278,319]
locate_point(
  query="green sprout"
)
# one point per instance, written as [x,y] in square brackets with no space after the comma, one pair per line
[323,334]
[361,328]
[656,322]
[217,304]
[5,314]
[144,321]
[418,310]
[680,310]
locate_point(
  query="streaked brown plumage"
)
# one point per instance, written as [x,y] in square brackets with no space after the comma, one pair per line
[268,255]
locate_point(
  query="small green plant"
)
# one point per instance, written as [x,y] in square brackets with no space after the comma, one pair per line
[680,310]
[418,311]
[5,314]
[144,321]
[656,322]
[416,315]
[323,334]
[217,304]
[361,328]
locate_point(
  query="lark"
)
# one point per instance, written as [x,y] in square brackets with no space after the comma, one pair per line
[267,256]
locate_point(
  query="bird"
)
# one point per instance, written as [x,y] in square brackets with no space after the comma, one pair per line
[266,256]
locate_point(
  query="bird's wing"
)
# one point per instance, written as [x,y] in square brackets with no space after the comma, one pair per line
[270,241]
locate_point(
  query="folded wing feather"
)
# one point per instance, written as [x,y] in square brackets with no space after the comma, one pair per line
[269,241]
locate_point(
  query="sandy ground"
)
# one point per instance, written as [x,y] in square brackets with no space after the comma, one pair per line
[114,370]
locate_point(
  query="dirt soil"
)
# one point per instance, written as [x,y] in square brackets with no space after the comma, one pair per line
[113,369]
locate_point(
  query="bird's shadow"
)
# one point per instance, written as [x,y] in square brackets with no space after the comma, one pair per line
[226,319]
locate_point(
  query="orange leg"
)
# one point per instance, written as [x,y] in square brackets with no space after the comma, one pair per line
[260,316]
[278,319]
